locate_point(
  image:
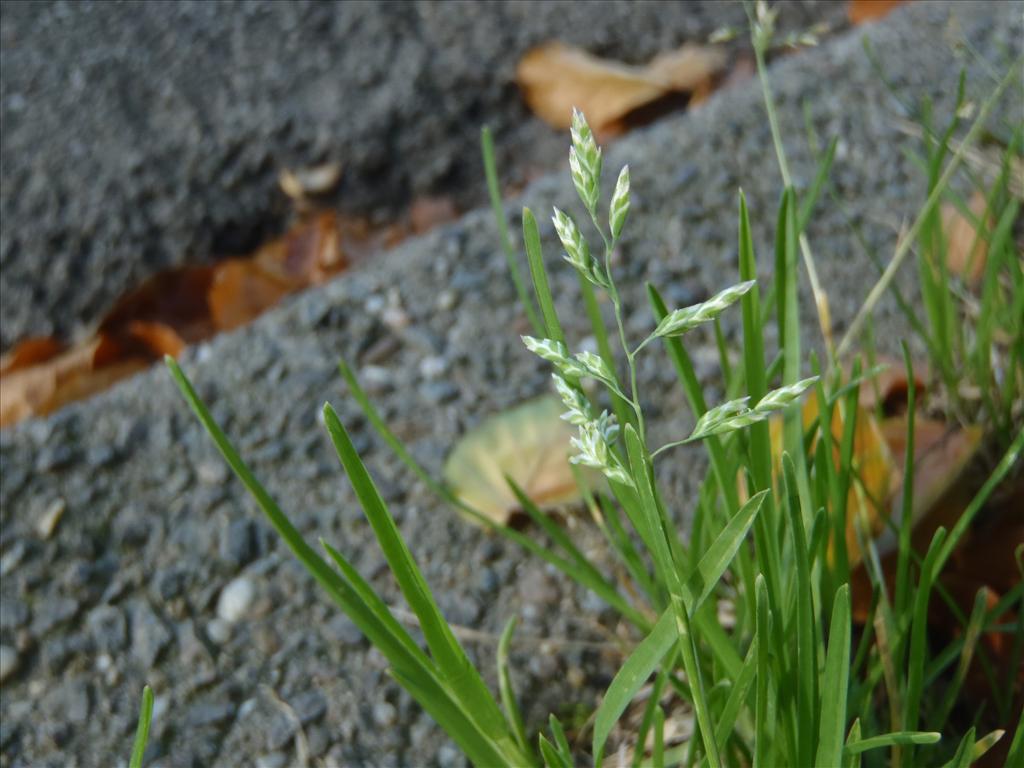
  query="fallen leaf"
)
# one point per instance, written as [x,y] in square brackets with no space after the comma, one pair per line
[887,390]
[44,387]
[307,255]
[159,338]
[30,352]
[867,503]
[966,248]
[528,443]
[175,298]
[241,291]
[555,77]
[942,453]
[861,11]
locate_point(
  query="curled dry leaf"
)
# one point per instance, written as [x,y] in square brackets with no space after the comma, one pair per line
[530,445]
[555,77]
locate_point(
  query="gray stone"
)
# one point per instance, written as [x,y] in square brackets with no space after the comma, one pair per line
[341,628]
[438,392]
[53,613]
[149,635]
[109,628]
[309,706]
[280,732]
[210,713]
[8,662]
[239,543]
[76,702]
[14,614]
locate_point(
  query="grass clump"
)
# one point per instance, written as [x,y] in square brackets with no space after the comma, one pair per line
[788,677]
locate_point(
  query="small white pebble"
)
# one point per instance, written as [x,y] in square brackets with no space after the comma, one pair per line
[219,631]
[384,714]
[236,599]
[447,299]
[433,367]
[395,318]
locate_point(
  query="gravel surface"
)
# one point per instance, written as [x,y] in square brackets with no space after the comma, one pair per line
[142,135]
[158,568]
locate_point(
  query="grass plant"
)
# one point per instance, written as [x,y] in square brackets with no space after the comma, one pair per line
[789,680]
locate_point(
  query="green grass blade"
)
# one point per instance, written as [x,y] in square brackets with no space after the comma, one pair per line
[630,677]
[720,554]
[810,199]
[937,190]
[399,652]
[552,757]
[806,644]
[454,666]
[970,641]
[142,730]
[379,613]
[964,753]
[753,350]
[561,743]
[535,257]
[649,714]
[918,635]
[835,683]
[902,738]
[904,551]
[687,644]
[1009,460]
[578,566]
[738,694]
[513,714]
[852,759]
[463,729]
[494,192]
[566,566]
[763,753]
[1016,754]
[658,754]
[355,597]
[652,531]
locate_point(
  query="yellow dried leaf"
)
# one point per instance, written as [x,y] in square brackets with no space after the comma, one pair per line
[529,444]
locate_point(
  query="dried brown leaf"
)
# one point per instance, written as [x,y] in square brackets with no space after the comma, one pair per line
[555,77]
